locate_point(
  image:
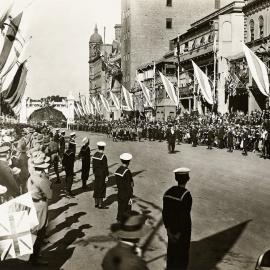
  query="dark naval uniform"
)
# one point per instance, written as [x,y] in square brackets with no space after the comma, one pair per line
[123,257]
[171,138]
[100,170]
[85,156]
[124,182]
[177,202]
[68,164]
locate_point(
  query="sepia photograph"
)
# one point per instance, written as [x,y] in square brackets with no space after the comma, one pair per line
[134,134]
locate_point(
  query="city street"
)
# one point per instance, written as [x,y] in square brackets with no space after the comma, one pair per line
[230,213]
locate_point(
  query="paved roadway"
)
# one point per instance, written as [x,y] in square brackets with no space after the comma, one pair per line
[231,217]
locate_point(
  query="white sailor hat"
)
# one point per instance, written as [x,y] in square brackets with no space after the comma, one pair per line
[3,189]
[72,134]
[101,144]
[182,171]
[126,156]
[85,140]
[57,129]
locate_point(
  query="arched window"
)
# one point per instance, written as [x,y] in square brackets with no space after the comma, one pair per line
[261,26]
[251,27]
[227,31]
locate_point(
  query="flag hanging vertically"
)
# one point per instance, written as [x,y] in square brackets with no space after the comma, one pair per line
[4,13]
[204,84]
[9,39]
[105,103]
[115,101]
[128,98]
[146,93]
[169,89]
[82,104]
[96,104]
[258,70]
[91,107]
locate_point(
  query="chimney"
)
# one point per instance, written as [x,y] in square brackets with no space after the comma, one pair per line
[217,4]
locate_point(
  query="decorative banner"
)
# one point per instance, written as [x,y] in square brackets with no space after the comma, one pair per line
[4,13]
[87,106]
[76,110]
[17,100]
[91,107]
[79,108]
[203,82]
[258,70]
[9,39]
[82,105]
[96,104]
[169,89]
[146,93]
[105,103]
[115,101]
[128,98]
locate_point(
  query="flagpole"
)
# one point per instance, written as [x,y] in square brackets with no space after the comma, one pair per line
[215,67]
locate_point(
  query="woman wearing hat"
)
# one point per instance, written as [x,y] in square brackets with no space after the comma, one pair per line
[101,172]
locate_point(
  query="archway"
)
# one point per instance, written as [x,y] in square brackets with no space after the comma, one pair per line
[48,115]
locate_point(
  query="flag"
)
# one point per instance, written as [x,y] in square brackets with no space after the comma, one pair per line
[19,95]
[115,101]
[96,104]
[169,89]
[4,13]
[258,70]
[105,103]
[146,93]
[76,110]
[128,98]
[87,106]
[9,39]
[91,107]
[204,84]
[79,108]
[82,105]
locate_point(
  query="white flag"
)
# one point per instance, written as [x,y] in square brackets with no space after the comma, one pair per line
[128,98]
[105,103]
[146,93]
[204,84]
[258,70]
[115,101]
[169,89]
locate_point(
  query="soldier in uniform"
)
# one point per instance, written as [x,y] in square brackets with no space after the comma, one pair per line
[126,255]
[125,184]
[68,164]
[178,200]
[85,156]
[72,140]
[62,144]
[53,151]
[101,172]
[40,188]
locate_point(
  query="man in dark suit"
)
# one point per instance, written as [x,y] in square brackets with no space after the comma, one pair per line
[126,255]
[210,138]
[124,182]
[171,138]
[101,172]
[178,200]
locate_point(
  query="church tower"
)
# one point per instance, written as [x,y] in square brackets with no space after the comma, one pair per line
[95,63]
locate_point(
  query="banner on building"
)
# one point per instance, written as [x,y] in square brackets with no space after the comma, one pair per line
[128,99]
[204,84]
[169,89]
[146,93]
[115,101]
[258,70]
[105,103]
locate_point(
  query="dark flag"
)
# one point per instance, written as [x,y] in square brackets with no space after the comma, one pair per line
[9,39]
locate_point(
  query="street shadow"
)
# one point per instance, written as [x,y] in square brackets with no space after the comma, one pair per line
[93,240]
[208,252]
[54,213]
[110,200]
[66,224]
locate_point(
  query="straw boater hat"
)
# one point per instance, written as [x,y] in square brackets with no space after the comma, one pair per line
[133,228]
[41,163]
[39,138]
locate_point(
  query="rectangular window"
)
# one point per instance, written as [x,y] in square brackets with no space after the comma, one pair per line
[169,3]
[169,23]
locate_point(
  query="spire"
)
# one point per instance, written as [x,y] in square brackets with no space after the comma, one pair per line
[96,29]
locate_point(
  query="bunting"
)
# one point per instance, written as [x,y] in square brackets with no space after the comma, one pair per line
[169,89]
[96,104]
[105,103]
[9,39]
[128,98]
[115,101]
[203,82]
[258,70]
[146,93]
